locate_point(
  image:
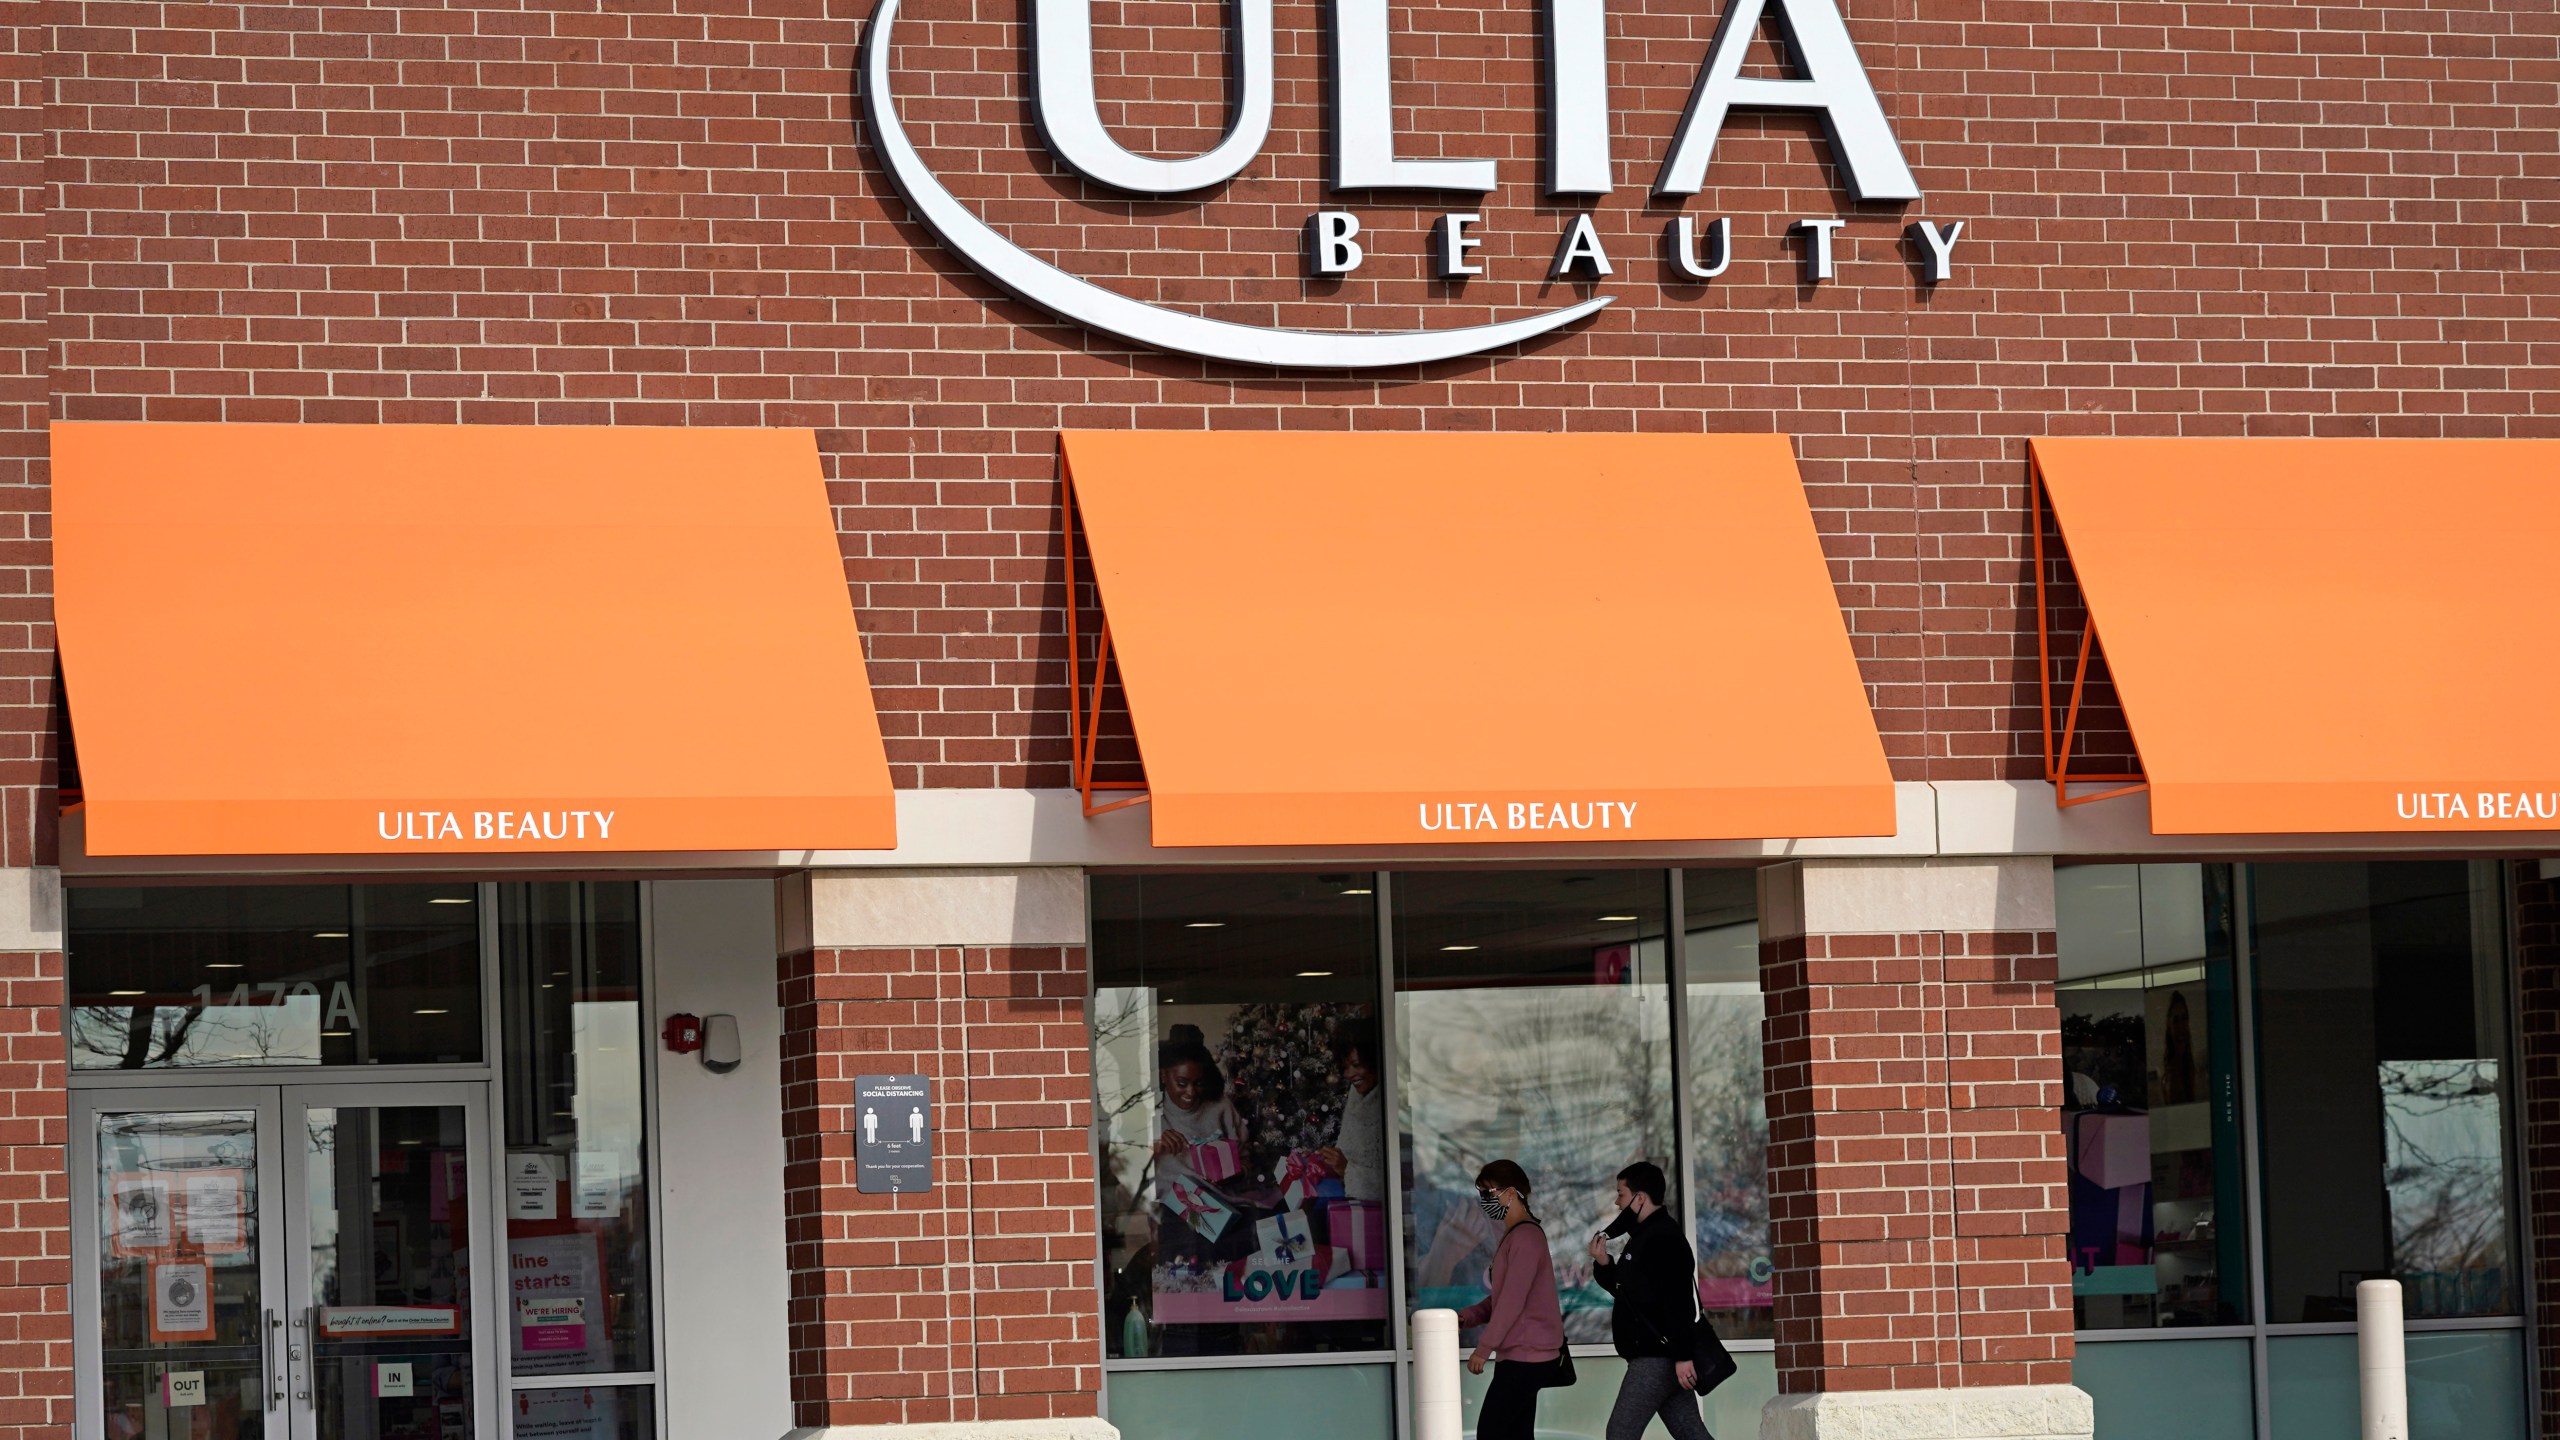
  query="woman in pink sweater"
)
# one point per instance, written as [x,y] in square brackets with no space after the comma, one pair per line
[1523,1323]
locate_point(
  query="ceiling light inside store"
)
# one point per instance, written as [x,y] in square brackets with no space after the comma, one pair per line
[336,1034]
[1457,947]
[430,1012]
[1606,919]
[1206,925]
[125,992]
[450,900]
[1360,890]
[1313,974]
[328,934]
[223,964]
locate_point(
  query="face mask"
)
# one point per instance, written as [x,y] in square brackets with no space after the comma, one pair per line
[1493,1208]
[1624,1224]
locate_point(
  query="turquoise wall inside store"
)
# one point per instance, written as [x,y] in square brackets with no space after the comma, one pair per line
[1357,1402]
[2463,1385]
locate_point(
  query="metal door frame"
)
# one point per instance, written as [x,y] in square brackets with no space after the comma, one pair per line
[486,1281]
[88,1362]
[284,1268]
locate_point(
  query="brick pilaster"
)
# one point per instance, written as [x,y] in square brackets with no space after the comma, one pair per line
[35,1238]
[976,1301]
[1917,1195]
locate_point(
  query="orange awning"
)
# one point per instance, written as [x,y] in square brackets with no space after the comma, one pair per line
[334,639]
[1363,639]
[2325,635]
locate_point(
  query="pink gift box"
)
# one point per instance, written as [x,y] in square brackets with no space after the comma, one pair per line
[1359,1228]
[1217,1159]
[2113,1151]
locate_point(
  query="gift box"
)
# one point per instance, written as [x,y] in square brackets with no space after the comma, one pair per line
[1358,1227]
[1304,1178]
[1217,1159]
[1198,1205]
[2112,1151]
[1282,1239]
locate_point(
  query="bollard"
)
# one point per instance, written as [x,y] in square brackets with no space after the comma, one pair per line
[1438,1413]
[2382,1361]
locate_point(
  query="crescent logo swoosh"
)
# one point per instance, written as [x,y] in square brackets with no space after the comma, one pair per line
[1054,290]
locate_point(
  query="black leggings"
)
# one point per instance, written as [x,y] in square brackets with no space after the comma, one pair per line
[1510,1409]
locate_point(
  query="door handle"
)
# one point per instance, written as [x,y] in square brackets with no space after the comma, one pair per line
[267,1360]
[301,1368]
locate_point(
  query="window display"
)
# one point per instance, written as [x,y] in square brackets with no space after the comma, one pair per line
[2151,1103]
[1534,1025]
[1240,1073]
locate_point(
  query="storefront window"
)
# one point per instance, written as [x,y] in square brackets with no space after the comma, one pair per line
[576,1164]
[2151,1102]
[1534,1024]
[1729,1118]
[1238,1070]
[2382,1072]
[198,977]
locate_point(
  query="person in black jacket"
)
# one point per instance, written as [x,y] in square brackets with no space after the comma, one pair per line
[1655,1319]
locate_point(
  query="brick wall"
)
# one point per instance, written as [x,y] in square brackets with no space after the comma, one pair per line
[975,1301]
[2537,945]
[26,584]
[1917,1197]
[2289,218]
[35,1252]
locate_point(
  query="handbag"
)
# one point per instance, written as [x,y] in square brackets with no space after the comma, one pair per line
[1564,1373]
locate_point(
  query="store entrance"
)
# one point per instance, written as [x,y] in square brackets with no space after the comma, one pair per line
[283,1262]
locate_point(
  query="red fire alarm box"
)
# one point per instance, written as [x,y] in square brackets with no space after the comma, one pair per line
[683,1033]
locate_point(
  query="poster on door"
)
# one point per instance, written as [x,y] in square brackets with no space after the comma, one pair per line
[143,1209]
[181,1300]
[216,1213]
[568,1415]
[557,1283]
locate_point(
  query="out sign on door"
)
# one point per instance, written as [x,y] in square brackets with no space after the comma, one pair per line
[893,1134]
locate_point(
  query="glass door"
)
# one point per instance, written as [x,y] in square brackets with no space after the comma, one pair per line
[385,1339]
[282,1263]
[181,1335]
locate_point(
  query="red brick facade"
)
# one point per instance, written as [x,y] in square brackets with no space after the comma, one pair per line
[977,1301]
[35,1253]
[2285,219]
[1917,1205]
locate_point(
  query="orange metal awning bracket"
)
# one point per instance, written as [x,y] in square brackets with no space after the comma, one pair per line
[1084,726]
[2057,745]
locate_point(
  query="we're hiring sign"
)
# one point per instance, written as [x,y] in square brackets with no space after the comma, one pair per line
[1829,81]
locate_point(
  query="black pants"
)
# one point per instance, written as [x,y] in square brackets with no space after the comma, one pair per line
[1510,1410]
[1652,1388]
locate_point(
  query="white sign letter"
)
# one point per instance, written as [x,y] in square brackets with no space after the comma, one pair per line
[1684,247]
[1937,249]
[1817,247]
[1581,248]
[1833,82]
[1578,98]
[1070,120]
[1330,248]
[1364,114]
[1450,243]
